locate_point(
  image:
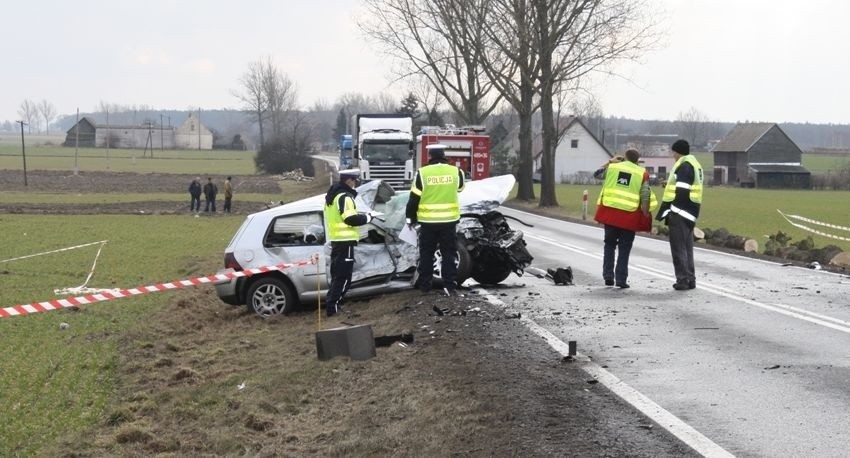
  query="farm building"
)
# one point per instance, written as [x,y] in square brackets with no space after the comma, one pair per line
[193,135]
[577,156]
[188,135]
[760,155]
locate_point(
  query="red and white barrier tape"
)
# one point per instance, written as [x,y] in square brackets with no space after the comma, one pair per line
[47,306]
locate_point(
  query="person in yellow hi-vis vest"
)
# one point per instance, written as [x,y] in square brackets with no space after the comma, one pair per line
[341,217]
[680,209]
[434,205]
[624,207]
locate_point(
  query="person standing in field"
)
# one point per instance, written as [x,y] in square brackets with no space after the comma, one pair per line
[624,207]
[680,207]
[210,191]
[195,195]
[434,204]
[228,194]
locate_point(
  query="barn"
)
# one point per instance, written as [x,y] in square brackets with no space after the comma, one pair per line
[759,155]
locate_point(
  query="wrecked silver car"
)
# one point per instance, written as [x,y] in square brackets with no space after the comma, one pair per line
[488,249]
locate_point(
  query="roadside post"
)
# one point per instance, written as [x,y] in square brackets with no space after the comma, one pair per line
[584,205]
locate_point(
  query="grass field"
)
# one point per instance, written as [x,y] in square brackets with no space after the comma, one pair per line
[128,160]
[746,212]
[60,381]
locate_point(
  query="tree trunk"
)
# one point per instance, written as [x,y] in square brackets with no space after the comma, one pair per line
[550,131]
[260,124]
[525,190]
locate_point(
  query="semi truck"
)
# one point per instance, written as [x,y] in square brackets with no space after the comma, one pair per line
[467,147]
[383,144]
[346,158]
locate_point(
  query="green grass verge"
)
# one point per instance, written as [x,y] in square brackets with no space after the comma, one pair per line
[54,381]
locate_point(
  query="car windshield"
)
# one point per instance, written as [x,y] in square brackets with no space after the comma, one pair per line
[385,152]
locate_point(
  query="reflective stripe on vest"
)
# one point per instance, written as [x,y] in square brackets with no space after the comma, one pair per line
[621,189]
[696,187]
[438,197]
[338,231]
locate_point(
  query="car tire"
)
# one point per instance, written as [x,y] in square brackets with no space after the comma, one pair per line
[463,261]
[490,274]
[269,296]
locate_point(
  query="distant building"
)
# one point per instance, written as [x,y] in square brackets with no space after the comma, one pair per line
[577,156]
[193,135]
[188,135]
[759,155]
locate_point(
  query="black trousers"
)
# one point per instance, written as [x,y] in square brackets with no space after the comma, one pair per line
[227,201]
[342,266]
[431,237]
[195,204]
[210,202]
[682,247]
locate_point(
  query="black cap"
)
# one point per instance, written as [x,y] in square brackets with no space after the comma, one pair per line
[682,147]
[436,150]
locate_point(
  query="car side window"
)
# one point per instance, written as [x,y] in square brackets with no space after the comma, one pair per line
[296,230]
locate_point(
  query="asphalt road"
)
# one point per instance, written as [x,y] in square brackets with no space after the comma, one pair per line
[757,358]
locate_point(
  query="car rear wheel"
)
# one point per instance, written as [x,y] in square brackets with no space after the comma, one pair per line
[271,296]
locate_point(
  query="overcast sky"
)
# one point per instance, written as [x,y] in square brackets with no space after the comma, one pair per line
[734,60]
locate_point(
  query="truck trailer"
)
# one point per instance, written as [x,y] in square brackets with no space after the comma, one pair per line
[383,144]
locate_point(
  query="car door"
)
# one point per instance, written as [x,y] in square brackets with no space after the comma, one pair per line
[299,237]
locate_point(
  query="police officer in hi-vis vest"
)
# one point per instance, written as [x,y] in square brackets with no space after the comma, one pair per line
[341,217]
[680,209]
[434,205]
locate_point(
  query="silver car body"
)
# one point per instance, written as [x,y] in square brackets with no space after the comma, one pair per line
[295,232]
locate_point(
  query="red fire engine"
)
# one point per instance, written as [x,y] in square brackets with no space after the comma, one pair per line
[467,147]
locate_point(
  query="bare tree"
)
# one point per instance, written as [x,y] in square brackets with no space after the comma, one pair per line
[436,40]
[47,111]
[280,94]
[572,39]
[253,95]
[28,112]
[512,67]
[694,126]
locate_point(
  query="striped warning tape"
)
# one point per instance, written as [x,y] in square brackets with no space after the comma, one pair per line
[47,306]
[52,251]
[816,222]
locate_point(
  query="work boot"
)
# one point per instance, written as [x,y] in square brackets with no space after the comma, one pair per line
[609,282]
[682,286]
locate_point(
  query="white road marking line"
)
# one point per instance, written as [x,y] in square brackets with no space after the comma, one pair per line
[678,428]
[793,312]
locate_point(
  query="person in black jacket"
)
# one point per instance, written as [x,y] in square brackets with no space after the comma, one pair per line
[680,209]
[210,190]
[195,194]
[341,217]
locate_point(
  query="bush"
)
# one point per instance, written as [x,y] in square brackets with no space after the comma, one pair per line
[274,158]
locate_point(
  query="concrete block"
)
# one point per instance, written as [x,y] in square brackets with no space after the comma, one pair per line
[356,342]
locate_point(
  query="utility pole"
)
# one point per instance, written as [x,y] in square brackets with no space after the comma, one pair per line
[161,143]
[77,142]
[199,128]
[107,138]
[23,151]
